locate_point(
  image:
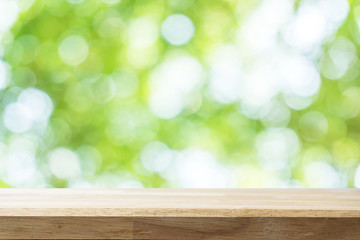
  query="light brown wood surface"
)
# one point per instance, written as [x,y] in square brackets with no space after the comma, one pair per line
[181,202]
[180,214]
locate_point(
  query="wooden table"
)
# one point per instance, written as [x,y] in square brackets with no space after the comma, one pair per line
[180,214]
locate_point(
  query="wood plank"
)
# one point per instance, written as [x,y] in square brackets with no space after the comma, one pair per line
[180,214]
[179,228]
[247,228]
[328,203]
[66,228]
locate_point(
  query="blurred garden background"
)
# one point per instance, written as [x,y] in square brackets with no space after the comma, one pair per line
[179,93]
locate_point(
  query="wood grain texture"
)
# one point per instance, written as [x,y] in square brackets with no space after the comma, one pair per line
[66,228]
[179,228]
[180,214]
[247,228]
[181,202]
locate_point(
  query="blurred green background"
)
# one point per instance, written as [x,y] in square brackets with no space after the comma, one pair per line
[179,93]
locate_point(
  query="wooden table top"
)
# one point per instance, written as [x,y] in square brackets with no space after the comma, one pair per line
[327,203]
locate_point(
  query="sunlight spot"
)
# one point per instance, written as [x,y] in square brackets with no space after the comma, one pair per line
[21,166]
[74,50]
[307,29]
[9,11]
[199,169]
[166,104]
[142,32]
[17,118]
[177,29]
[38,102]
[296,102]
[276,147]
[300,76]
[357,177]
[275,114]
[338,59]
[322,175]
[156,156]
[63,163]
[4,74]
[171,83]
[225,75]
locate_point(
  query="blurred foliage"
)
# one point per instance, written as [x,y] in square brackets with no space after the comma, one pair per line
[102,94]
[4,185]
